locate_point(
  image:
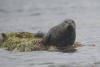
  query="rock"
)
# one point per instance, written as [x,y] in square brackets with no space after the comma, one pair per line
[39,34]
[3,37]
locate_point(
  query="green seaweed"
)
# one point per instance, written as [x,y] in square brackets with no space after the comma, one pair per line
[24,43]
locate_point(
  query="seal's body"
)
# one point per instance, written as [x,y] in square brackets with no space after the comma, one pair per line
[62,35]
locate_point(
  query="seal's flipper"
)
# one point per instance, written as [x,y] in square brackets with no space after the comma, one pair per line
[47,39]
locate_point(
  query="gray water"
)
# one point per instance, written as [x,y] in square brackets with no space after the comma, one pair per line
[35,15]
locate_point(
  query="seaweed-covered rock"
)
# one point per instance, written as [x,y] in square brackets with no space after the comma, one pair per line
[39,34]
[29,43]
[22,41]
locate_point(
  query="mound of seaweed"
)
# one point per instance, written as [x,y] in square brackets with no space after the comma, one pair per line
[25,42]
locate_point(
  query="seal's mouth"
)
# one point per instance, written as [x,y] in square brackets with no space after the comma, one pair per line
[70,27]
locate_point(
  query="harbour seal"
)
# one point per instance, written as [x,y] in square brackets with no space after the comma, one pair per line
[62,36]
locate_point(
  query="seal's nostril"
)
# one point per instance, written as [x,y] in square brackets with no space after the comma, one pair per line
[69,23]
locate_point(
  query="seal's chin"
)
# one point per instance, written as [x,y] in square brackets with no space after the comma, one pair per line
[70,27]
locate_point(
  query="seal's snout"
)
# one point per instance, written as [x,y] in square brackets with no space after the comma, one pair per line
[69,23]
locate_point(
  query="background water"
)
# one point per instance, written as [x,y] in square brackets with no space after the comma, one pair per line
[35,15]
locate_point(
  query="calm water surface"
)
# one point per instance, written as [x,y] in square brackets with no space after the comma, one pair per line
[35,15]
